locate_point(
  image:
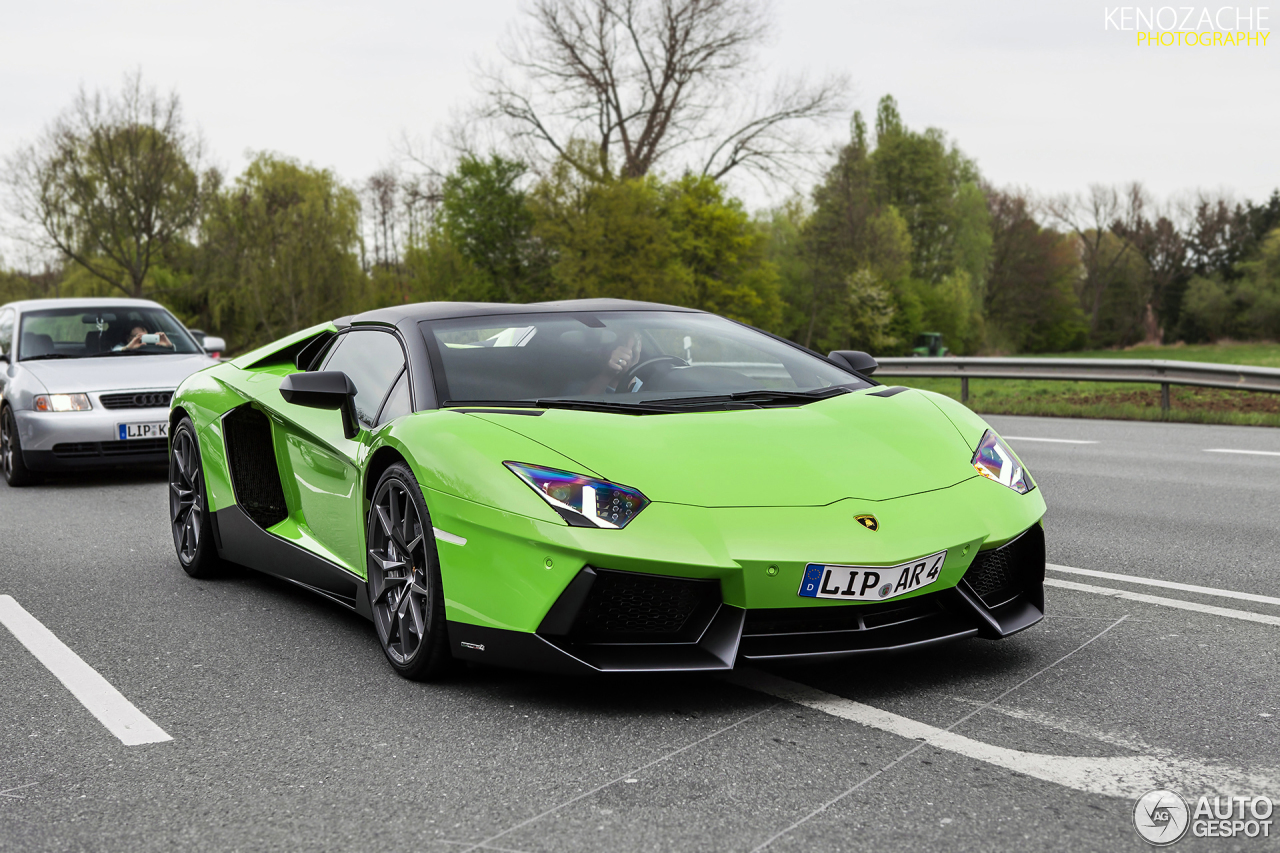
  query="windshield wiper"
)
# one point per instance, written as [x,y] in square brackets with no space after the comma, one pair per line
[618,407]
[47,356]
[754,399]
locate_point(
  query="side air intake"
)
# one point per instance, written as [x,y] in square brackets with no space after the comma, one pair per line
[251,458]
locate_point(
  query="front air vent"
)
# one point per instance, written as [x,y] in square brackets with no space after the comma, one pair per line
[1002,573]
[631,607]
[251,458]
[137,400]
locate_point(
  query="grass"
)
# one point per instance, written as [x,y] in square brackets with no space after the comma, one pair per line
[1126,400]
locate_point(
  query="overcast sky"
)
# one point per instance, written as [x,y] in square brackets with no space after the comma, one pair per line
[1037,91]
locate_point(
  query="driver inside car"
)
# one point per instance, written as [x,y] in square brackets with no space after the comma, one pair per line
[139,336]
[621,359]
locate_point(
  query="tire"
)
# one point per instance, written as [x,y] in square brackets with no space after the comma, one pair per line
[405,592]
[189,518]
[16,472]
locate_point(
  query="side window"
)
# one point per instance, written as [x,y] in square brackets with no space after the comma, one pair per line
[373,360]
[6,330]
[398,403]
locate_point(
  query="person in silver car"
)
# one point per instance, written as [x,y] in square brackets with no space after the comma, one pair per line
[86,383]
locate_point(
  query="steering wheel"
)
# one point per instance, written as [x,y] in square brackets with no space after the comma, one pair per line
[633,372]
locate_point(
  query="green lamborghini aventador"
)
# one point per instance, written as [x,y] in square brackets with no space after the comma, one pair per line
[603,485]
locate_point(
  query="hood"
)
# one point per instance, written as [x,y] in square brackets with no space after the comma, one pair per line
[853,446]
[115,373]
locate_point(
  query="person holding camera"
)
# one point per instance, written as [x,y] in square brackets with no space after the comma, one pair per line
[139,337]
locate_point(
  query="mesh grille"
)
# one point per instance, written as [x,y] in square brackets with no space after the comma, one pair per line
[625,603]
[140,400]
[136,447]
[251,457]
[991,572]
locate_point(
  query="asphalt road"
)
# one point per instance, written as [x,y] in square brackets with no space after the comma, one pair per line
[289,731]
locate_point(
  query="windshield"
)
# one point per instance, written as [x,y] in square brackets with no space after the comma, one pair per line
[101,331]
[631,358]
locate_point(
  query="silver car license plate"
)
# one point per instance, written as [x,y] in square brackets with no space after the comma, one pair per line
[158,429]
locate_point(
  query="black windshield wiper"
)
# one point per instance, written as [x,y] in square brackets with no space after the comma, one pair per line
[618,407]
[754,399]
[47,356]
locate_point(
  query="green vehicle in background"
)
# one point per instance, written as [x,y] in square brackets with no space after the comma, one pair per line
[929,344]
[603,485]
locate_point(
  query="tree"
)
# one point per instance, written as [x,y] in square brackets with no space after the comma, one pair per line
[723,252]
[487,218]
[1105,258]
[1030,304]
[278,250]
[112,184]
[645,81]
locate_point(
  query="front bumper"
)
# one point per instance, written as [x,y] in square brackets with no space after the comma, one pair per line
[608,621]
[56,441]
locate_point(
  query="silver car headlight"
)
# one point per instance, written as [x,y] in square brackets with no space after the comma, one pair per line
[62,403]
[994,460]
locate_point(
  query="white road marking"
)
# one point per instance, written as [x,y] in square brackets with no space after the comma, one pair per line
[1128,776]
[1051,440]
[1210,609]
[97,695]
[1246,452]
[446,536]
[1184,587]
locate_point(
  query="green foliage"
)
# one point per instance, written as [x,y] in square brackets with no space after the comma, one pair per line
[723,253]
[1246,308]
[278,252]
[488,220]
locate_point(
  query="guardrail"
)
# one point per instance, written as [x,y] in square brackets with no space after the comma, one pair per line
[1165,373]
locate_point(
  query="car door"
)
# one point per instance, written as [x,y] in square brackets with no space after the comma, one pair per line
[324,463]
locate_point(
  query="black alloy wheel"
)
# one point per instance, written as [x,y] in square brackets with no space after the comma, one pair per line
[13,465]
[405,592]
[188,513]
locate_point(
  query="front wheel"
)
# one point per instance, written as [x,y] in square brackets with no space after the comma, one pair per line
[405,592]
[16,472]
[188,505]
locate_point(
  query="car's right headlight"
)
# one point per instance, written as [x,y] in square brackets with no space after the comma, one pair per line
[994,460]
[582,501]
[62,403]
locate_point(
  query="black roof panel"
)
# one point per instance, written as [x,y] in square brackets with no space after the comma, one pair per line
[397,314]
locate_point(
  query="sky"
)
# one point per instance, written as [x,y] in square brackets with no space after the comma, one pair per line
[1040,92]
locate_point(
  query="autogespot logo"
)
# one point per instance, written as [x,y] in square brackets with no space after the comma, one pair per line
[1160,817]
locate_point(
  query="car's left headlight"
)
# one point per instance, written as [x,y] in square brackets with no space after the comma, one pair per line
[994,460]
[582,501]
[62,403]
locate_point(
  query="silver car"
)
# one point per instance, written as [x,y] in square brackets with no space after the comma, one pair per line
[85,383]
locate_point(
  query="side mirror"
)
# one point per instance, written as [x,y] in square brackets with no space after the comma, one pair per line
[213,346]
[326,389]
[854,360]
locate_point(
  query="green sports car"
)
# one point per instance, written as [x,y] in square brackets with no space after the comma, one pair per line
[603,485]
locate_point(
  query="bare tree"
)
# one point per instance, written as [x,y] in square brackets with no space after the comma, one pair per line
[1098,219]
[644,80]
[397,211]
[111,184]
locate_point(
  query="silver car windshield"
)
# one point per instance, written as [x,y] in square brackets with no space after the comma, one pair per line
[623,358]
[100,332]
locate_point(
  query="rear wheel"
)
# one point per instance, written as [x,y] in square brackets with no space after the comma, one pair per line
[16,472]
[188,505]
[405,592]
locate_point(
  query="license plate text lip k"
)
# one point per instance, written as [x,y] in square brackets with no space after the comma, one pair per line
[136,430]
[834,581]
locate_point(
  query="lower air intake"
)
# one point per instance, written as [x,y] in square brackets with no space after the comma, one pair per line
[1001,573]
[632,607]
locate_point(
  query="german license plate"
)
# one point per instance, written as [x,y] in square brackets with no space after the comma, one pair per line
[152,430]
[870,583]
